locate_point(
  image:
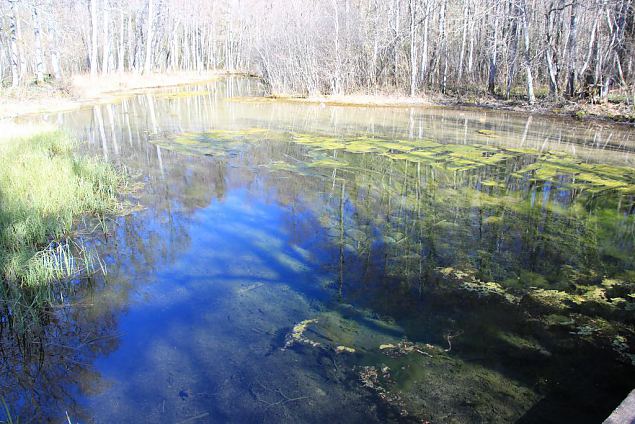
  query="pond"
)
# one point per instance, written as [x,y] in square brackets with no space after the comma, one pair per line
[292,262]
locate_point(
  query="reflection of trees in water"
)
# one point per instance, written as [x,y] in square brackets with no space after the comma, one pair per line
[500,230]
[388,226]
[174,111]
[41,372]
[391,225]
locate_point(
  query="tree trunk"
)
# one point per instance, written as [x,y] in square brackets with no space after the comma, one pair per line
[131,44]
[22,53]
[54,43]
[338,65]
[444,45]
[491,81]
[413,57]
[121,52]
[511,74]
[470,56]
[424,47]
[572,49]
[463,40]
[531,98]
[395,50]
[105,61]
[13,45]
[93,37]
[551,51]
[37,39]
[148,62]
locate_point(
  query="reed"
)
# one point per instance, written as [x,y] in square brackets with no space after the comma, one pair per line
[45,187]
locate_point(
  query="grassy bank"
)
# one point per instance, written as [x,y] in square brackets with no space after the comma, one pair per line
[44,189]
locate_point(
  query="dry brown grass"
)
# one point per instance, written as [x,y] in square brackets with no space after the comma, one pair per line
[87,87]
[84,89]
[366,100]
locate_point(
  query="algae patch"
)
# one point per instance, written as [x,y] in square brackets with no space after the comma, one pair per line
[297,335]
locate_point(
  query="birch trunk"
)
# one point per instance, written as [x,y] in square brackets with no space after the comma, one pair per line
[413,57]
[424,47]
[463,40]
[531,98]
[511,73]
[37,39]
[148,62]
[105,60]
[491,81]
[121,52]
[13,45]
[572,49]
[54,43]
[93,37]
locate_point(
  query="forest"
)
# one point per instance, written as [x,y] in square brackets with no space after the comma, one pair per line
[575,49]
[310,211]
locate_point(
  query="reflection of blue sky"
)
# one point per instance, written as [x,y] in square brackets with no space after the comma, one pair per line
[227,255]
[188,320]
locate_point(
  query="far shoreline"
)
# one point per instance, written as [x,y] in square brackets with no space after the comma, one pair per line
[82,90]
[581,112]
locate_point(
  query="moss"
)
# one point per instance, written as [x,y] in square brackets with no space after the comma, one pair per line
[466,281]
[493,220]
[427,386]
[344,349]
[580,114]
[297,335]
[558,320]
[519,343]
[488,133]
[559,168]
[569,172]
[329,163]
[362,147]
[281,166]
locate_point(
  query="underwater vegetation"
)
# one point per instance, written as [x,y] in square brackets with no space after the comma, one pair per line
[522,163]
[544,236]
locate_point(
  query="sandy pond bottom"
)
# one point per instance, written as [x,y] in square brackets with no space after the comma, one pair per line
[258,339]
[298,263]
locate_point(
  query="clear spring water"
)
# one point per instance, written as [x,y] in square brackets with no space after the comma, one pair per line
[307,263]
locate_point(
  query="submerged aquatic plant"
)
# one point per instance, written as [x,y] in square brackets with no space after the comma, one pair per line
[297,335]
[522,163]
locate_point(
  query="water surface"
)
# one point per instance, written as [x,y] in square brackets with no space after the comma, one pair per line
[303,263]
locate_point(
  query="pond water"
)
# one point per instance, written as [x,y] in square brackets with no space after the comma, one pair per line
[292,262]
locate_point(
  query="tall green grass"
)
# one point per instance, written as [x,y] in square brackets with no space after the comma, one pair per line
[44,189]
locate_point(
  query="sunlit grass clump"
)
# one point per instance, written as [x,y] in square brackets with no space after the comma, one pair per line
[44,189]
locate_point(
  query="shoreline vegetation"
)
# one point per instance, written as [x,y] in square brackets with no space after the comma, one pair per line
[613,110]
[81,90]
[551,56]
[45,189]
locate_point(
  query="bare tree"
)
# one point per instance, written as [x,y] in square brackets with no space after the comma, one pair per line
[93,37]
[530,80]
[150,33]
[581,48]
[493,55]
[13,42]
